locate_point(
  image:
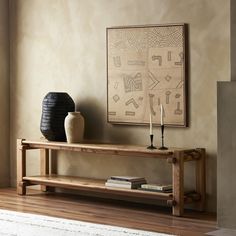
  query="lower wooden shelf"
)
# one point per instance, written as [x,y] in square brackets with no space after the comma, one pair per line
[92,185]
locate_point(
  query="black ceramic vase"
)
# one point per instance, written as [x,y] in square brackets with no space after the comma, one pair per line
[56,106]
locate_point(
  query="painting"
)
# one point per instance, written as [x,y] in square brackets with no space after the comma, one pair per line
[147,68]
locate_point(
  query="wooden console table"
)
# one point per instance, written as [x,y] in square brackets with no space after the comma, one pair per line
[175,156]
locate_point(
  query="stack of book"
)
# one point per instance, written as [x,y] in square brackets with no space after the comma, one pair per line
[129,182]
[165,188]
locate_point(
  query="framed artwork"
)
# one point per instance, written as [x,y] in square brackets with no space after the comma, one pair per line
[147,68]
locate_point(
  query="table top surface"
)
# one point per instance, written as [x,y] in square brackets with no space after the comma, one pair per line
[103,147]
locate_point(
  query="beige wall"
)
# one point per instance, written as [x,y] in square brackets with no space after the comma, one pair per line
[60,46]
[233,39]
[4,95]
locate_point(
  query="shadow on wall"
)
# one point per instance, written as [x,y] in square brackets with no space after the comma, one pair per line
[120,134]
[96,126]
[93,114]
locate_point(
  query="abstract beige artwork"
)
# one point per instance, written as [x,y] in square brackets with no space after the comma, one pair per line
[146,67]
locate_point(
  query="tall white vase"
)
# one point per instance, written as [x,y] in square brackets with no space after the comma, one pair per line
[74,127]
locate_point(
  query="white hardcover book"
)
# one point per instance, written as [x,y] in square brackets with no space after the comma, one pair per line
[119,182]
[123,185]
[114,185]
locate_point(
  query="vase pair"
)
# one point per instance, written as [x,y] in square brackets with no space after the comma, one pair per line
[59,121]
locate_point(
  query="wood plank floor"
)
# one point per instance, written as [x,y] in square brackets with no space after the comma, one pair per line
[105,211]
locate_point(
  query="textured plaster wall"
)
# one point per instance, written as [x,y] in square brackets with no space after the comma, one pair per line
[233,39]
[60,46]
[4,95]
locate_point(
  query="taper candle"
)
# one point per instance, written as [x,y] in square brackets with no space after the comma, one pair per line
[162,120]
[150,124]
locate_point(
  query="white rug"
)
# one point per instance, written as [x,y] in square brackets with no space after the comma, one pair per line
[24,224]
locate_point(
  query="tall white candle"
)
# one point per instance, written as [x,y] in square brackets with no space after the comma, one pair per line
[162,119]
[151,124]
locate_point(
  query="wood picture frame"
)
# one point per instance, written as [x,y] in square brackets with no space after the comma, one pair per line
[147,67]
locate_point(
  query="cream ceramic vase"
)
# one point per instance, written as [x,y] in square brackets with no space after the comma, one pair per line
[74,127]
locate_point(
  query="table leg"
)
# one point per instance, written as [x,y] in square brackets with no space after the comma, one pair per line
[44,165]
[178,183]
[201,178]
[21,167]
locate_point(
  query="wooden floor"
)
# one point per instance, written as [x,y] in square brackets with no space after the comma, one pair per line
[130,215]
